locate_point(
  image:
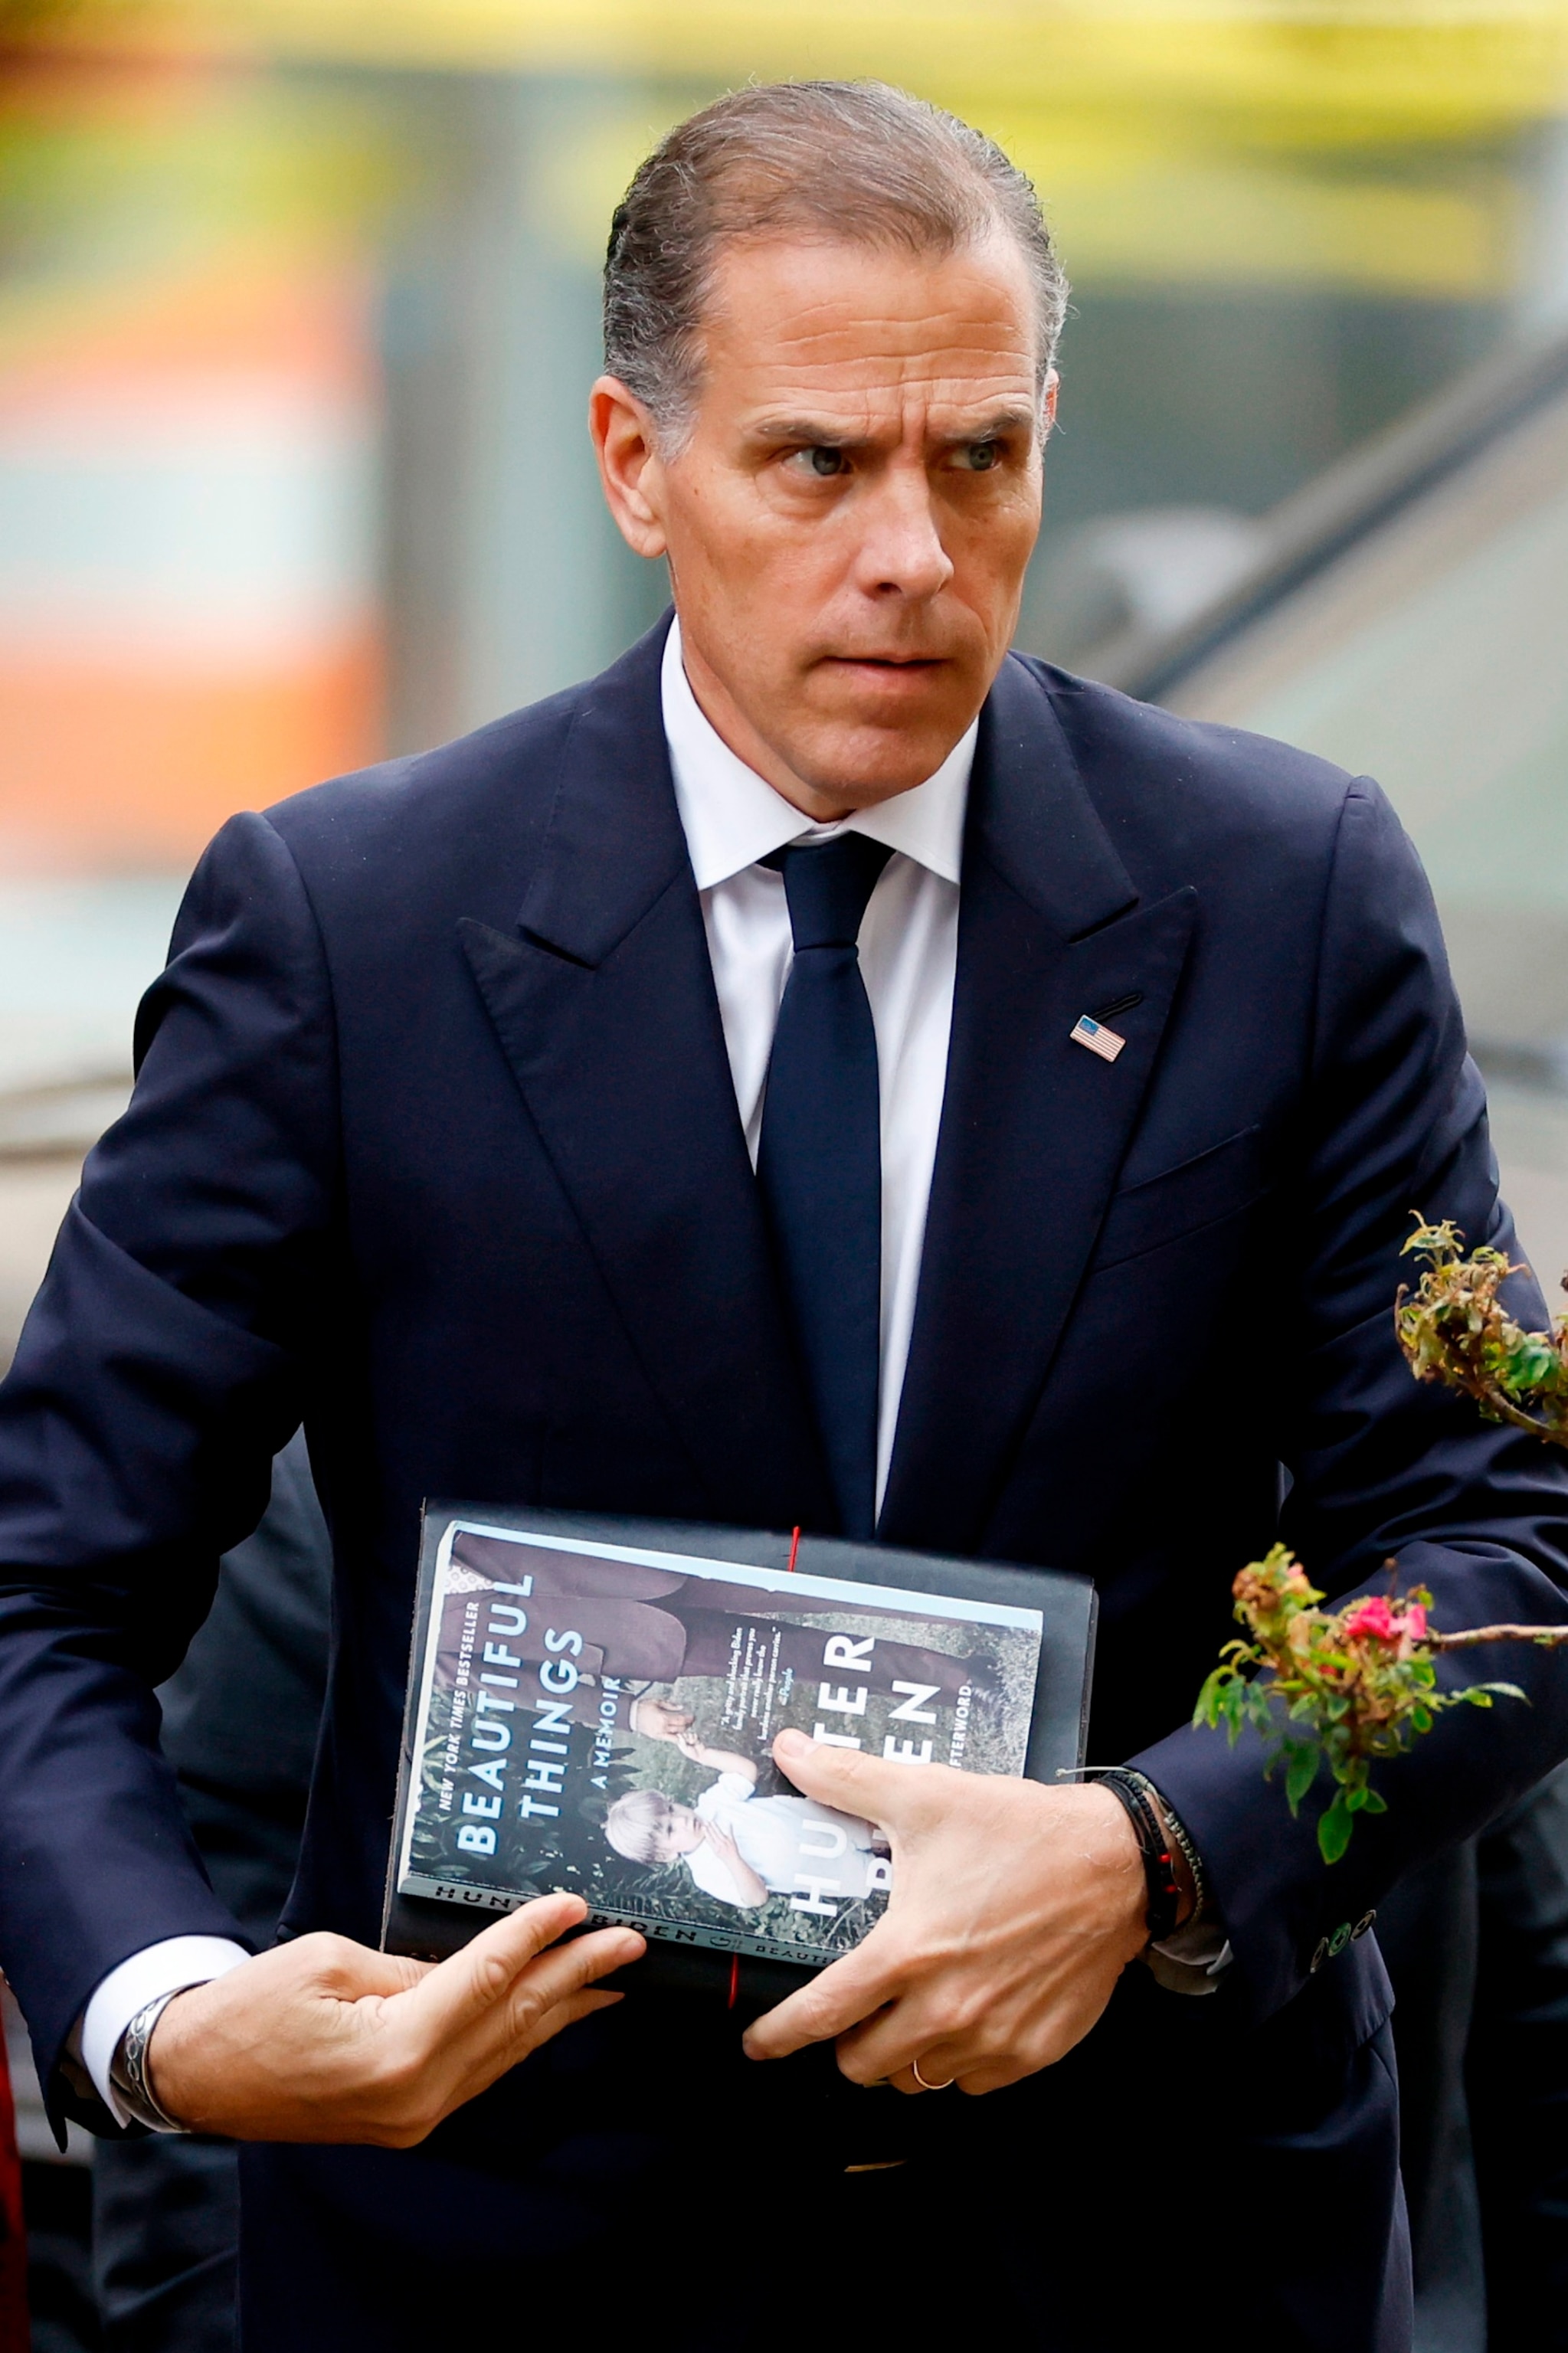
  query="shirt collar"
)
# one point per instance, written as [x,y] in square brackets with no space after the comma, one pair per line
[733,818]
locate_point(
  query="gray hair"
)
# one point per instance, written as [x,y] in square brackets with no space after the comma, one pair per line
[833,159]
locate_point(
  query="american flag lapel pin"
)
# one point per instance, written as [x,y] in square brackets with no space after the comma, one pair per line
[1106,1043]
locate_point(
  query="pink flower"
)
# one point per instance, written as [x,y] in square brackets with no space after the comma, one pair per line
[1374,1616]
[1416,1621]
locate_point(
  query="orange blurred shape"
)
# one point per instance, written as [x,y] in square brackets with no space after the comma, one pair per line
[116,771]
[188,610]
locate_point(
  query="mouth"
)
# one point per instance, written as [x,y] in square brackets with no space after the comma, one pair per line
[889,666]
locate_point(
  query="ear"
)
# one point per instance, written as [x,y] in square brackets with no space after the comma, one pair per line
[1048,404]
[630,465]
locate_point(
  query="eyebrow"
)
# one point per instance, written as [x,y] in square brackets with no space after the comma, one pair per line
[814,433]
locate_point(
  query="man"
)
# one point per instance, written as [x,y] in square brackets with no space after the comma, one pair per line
[452,1136]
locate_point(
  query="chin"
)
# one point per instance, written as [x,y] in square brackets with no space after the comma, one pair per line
[877,761]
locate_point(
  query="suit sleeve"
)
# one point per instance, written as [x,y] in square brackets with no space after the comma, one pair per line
[157,1373]
[1382,1466]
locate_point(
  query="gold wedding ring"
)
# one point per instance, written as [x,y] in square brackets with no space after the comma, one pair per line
[915,2071]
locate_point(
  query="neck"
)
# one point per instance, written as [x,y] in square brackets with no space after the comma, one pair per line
[733,728]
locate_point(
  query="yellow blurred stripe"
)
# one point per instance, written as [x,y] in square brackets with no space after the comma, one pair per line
[1127,211]
[1421,69]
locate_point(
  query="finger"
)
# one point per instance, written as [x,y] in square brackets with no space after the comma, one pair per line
[485,2066]
[907,2082]
[566,2013]
[855,1784]
[460,1990]
[566,1971]
[939,2069]
[539,2002]
[855,1988]
[884,2047]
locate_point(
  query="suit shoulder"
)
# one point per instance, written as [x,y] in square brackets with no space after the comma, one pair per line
[502,775]
[1194,772]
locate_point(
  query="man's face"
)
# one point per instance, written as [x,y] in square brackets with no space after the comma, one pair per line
[849,522]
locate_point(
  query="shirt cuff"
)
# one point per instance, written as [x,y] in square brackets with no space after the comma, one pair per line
[168,1967]
[1192,1959]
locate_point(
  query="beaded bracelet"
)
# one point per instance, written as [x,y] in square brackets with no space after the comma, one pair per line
[1178,1830]
[1160,1879]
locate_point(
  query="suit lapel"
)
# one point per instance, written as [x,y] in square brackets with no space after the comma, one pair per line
[604,1004]
[1035,1128]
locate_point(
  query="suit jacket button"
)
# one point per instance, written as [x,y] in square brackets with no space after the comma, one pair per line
[1363,1923]
[1339,1940]
[1320,1956]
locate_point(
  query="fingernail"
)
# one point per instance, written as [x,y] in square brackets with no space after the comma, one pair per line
[791,1744]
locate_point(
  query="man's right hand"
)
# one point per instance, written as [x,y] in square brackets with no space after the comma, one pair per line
[322,2040]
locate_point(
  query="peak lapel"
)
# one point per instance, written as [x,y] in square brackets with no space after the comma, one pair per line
[604,1005]
[1034,1127]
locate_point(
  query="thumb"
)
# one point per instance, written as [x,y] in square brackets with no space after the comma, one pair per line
[857,1784]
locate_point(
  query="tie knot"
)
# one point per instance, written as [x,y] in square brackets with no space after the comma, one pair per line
[827,885]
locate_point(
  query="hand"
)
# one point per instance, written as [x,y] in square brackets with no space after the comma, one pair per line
[322,2040]
[1014,1909]
[659,1719]
[750,1891]
[717,1760]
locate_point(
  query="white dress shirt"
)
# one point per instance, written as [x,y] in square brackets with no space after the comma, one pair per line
[908,958]
[908,954]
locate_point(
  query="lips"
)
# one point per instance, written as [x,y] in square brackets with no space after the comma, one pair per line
[890,663]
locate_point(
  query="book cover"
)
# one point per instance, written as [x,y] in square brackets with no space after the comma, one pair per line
[592,1705]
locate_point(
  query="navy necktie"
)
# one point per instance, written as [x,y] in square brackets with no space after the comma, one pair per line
[820,1162]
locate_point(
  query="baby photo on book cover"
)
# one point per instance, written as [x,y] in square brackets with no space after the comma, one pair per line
[600,1718]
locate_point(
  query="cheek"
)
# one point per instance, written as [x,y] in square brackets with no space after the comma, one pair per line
[991,556]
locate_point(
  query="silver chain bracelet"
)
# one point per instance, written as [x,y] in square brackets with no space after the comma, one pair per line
[129,2069]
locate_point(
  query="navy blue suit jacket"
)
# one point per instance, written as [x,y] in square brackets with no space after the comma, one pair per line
[434,1146]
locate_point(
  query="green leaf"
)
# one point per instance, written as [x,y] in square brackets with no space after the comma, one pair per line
[1334,1831]
[1532,1363]
[1303,1772]
[1356,1799]
[1372,1803]
[1421,1717]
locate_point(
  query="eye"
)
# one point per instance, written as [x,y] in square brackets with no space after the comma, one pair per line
[822,459]
[980,457]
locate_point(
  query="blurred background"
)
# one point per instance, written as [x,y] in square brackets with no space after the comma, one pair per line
[298,308]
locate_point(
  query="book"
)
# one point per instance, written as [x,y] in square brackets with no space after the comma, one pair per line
[592,1702]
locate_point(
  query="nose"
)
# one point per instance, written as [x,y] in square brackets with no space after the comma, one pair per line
[900,552]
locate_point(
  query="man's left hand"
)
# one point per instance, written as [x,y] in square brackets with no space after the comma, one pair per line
[1015,1910]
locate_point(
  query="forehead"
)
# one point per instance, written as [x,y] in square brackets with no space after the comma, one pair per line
[793,319]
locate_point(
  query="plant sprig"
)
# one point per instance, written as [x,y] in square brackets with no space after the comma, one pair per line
[1454,1328]
[1338,1688]
[1345,1688]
